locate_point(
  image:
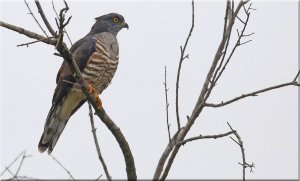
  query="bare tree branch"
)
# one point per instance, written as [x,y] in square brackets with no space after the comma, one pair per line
[37,22]
[171,154]
[30,34]
[32,42]
[108,177]
[240,143]
[40,10]
[63,167]
[99,177]
[20,165]
[182,57]
[296,77]
[205,137]
[255,93]
[7,168]
[64,28]
[66,54]
[167,104]
[164,156]
[23,156]
[9,171]
[238,43]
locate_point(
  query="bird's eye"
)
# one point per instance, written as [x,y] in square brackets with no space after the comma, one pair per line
[116,20]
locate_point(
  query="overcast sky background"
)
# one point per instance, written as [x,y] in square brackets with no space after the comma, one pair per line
[268,124]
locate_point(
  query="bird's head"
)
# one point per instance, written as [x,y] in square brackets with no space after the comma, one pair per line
[112,23]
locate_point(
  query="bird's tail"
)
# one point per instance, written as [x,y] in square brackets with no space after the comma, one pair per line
[58,117]
[52,131]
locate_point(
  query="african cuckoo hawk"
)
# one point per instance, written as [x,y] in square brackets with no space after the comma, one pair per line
[97,56]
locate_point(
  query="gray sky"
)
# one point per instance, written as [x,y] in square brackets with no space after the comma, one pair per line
[268,124]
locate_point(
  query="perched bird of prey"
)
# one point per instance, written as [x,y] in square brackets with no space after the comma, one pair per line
[97,56]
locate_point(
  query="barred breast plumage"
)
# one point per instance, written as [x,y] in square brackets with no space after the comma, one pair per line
[102,64]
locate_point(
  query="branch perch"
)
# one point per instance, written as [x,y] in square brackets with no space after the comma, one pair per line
[66,54]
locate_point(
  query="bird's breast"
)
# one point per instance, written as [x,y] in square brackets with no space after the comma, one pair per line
[100,67]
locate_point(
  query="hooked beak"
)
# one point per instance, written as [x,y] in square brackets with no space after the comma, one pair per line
[125,25]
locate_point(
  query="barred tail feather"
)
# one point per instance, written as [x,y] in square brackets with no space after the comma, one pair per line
[58,117]
[51,134]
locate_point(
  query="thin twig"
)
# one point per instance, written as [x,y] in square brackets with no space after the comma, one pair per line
[40,10]
[35,19]
[9,171]
[182,57]
[297,76]
[243,43]
[7,167]
[167,104]
[68,36]
[99,177]
[96,142]
[63,167]
[255,93]
[54,9]
[20,165]
[32,42]
[240,143]
[249,34]
[205,137]
[65,30]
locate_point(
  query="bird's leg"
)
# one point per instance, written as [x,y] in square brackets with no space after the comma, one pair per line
[93,92]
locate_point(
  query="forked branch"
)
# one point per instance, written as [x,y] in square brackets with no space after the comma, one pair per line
[171,150]
[240,143]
